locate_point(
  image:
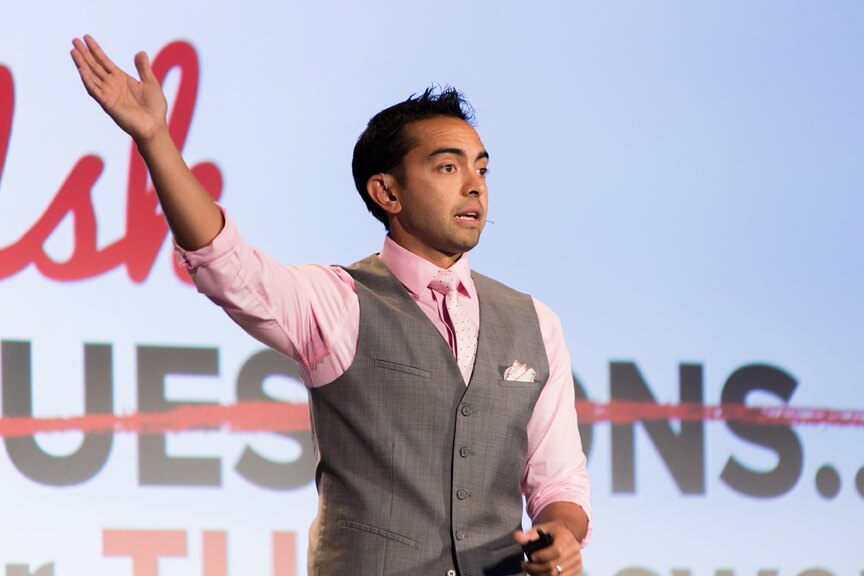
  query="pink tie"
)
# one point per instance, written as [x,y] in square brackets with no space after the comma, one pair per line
[445,282]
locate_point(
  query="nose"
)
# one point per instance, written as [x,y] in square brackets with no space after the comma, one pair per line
[475,185]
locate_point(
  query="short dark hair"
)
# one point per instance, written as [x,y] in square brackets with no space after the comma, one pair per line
[384,143]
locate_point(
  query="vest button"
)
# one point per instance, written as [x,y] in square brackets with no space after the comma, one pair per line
[462,494]
[467,411]
[451,573]
[464,452]
[460,535]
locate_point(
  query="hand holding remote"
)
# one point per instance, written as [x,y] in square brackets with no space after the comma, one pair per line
[543,540]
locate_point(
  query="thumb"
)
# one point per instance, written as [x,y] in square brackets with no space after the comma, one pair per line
[142,64]
[524,537]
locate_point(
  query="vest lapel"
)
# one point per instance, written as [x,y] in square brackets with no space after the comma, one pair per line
[404,301]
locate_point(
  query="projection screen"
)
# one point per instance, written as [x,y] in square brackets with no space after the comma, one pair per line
[681,182]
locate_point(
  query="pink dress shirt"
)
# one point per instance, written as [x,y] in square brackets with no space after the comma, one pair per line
[311,314]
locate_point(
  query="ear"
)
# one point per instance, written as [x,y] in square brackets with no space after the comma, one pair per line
[382,189]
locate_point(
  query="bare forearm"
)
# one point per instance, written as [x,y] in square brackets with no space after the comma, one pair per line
[567,524]
[139,108]
[192,214]
[570,514]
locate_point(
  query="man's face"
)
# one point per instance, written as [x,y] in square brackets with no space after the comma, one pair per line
[442,195]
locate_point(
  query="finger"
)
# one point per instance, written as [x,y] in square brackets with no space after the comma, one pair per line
[570,560]
[142,64]
[568,568]
[557,553]
[525,537]
[77,44]
[90,81]
[77,52]
[546,569]
[88,61]
[99,55]
[78,49]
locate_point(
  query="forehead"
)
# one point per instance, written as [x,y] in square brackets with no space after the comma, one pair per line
[443,132]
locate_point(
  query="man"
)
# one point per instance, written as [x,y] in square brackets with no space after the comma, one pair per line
[437,395]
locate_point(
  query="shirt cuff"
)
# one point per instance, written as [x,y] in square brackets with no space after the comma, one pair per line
[222,244]
[565,492]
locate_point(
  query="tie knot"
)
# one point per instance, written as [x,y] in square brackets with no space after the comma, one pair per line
[444,281]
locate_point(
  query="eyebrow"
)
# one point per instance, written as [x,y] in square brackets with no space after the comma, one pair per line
[456,152]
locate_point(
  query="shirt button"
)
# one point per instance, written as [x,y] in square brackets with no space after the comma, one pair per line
[467,411]
[464,452]
[461,494]
[460,535]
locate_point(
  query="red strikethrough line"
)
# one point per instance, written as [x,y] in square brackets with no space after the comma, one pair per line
[286,417]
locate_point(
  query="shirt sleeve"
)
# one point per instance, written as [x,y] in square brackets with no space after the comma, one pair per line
[556,468]
[309,313]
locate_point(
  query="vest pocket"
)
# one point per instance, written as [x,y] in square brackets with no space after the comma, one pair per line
[520,384]
[387,365]
[379,532]
[502,543]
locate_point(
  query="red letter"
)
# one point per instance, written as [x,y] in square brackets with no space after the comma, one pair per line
[144,547]
[284,554]
[7,107]
[215,555]
[145,226]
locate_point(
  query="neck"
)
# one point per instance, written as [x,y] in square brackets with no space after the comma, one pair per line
[440,259]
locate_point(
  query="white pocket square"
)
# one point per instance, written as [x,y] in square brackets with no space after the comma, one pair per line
[519,372]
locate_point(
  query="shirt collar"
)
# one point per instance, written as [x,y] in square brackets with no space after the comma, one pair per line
[415,272]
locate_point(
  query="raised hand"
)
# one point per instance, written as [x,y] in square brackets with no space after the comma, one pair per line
[137,106]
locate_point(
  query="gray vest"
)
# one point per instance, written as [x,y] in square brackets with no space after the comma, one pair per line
[418,474]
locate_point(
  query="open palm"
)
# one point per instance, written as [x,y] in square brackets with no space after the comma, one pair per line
[137,106]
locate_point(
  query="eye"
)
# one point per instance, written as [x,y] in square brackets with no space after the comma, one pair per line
[483,171]
[448,168]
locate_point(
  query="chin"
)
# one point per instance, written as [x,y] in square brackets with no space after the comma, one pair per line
[468,244]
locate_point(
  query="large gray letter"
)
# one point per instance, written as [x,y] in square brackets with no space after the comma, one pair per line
[24,452]
[24,570]
[683,453]
[252,466]
[155,467]
[782,440]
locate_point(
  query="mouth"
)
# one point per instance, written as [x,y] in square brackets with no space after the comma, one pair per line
[468,216]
